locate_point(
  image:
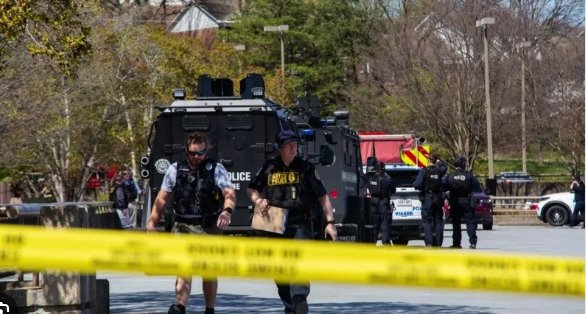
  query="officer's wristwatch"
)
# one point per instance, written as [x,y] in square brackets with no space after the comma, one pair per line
[229,210]
[333,222]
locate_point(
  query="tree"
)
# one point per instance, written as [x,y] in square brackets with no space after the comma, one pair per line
[429,63]
[50,29]
[324,42]
[565,101]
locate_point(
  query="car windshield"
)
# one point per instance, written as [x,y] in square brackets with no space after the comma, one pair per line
[403,178]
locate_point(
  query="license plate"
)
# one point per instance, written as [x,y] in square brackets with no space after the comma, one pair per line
[403,203]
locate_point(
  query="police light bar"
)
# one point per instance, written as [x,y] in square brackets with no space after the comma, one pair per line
[307,134]
[179,94]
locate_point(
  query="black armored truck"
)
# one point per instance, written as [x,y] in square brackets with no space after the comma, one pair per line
[241,131]
[343,179]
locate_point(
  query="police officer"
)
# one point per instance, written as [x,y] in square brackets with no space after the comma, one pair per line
[380,187]
[459,184]
[290,182]
[429,183]
[194,186]
[577,187]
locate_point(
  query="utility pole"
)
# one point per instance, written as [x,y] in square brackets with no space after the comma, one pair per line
[490,181]
[280,29]
[522,46]
[484,22]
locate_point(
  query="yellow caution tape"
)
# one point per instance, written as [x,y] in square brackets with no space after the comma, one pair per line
[82,250]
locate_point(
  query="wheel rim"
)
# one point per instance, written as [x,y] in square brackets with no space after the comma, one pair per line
[556,216]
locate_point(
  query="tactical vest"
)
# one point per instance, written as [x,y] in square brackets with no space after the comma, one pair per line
[285,187]
[195,192]
[460,183]
[375,182]
[433,183]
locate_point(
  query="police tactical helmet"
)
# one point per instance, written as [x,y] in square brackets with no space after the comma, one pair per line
[371,162]
[286,136]
[379,166]
[460,162]
[432,158]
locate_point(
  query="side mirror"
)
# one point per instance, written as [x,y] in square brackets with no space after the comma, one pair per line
[326,156]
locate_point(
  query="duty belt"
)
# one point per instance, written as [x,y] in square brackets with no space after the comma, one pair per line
[378,199]
[189,221]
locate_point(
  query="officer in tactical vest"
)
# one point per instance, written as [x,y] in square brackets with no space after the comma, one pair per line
[288,181]
[195,186]
[429,183]
[380,187]
[459,185]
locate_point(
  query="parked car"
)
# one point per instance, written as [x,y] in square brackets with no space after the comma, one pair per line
[483,210]
[508,177]
[555,209]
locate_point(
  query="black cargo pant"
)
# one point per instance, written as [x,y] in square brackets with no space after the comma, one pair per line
[382,219]
[293,296]
[432,215]
[578,211]
[460,208]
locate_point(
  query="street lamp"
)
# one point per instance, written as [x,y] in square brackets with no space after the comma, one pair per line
[522,46]
[280,29]
[240,47]
[484,22]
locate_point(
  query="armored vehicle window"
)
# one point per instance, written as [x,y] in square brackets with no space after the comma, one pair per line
[238,122]
[195,123]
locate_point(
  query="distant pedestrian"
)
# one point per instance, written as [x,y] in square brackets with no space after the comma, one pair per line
[17,192]
[119,200]
[577,187]
[460,184]
[133,192]
[429,183]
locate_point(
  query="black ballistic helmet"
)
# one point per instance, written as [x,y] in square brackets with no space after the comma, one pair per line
[286,136]
[460,162]
[380,166]
[371,163]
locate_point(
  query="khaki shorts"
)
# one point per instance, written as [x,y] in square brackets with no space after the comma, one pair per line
[179,227]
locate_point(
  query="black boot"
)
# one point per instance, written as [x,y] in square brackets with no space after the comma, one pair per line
[210,310]
[176,309]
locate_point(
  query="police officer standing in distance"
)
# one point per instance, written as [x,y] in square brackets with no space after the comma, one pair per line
[194,186]
[577,187]
[380,187]
[460,184]
[288,181]
[429,183]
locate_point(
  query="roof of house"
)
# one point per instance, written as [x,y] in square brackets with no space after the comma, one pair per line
[201,16]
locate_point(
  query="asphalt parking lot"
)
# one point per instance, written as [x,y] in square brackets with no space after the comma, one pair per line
[154,294]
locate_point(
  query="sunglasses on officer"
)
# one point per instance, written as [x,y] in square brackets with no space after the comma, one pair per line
[197,152]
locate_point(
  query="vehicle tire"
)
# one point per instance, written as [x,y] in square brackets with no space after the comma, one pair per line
[557,215]
[400,241]
[487,225]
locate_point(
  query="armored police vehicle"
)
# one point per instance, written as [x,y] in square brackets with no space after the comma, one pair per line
[241,130]
[343,178]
